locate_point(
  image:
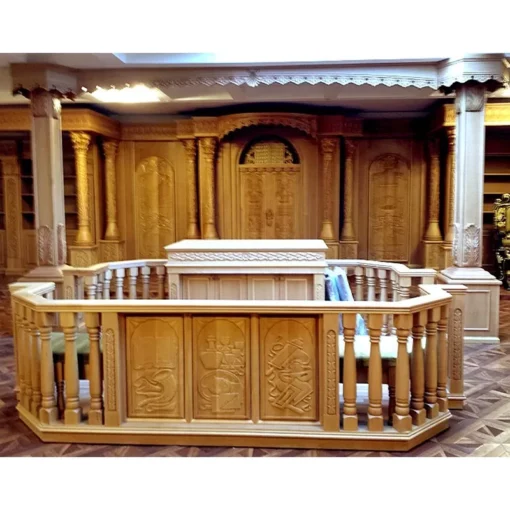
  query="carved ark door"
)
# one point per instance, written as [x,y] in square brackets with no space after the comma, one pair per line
[270,178]
[155,207]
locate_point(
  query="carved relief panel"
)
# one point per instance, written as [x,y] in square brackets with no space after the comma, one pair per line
[221,349]
[289,387]
[389,198]
[155,207]
[155,367]
[270,176]
[389,212]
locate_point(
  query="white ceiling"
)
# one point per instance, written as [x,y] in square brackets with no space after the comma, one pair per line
[181,100]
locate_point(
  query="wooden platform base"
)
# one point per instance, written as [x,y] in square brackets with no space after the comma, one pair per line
[235,434]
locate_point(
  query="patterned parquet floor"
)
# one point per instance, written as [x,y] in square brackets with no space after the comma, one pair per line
[481,429]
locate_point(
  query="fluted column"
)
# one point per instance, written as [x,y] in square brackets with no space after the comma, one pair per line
[433,231]
[348,227]
[81,142]
[207,147]
[327,146]
[190,147]
[47,161]
[450,187]
[112,227]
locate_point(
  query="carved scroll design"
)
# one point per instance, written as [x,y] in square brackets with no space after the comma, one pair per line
[475,98]
[61,244]
[246,256]
[110,368]
[471,246]
[285,206]
[269,152]
[44,105]
[331,387]
[389,181]
[45,246]
[69,292]
[252,189]
[457,345]
[155,206]
[173,291]
[319,291]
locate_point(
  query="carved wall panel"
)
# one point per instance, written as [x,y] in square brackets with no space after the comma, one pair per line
[155,207]
[289,386]
[221,373]
[155,367]
[268,185]
[390,210]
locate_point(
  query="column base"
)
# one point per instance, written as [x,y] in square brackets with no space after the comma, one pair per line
[350,423]
[48,416]
[333,250]
[481,312]
[446,255]
[83,256]
[433,254]
[111,251]
[432,410]
[402,423]
[375,423]
[418,416]
[348,249]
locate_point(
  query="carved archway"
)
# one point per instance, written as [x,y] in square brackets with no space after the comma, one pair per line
[154,207]
[389,212]
[270,190]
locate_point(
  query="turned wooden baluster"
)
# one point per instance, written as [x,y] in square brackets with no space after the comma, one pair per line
[370,276]
[350,418]
[402,421]
[404,288]
[383,296]
[72,414]
[442,363]
[358,277]
[418,413]
[375,411]
[48,413]
[96,401]
[27,353]
[431,363]
[119,283]
[395,290]
[107,284]
[100,285]
[91,286]
[160,272]
[146,275]
[35,362]
[133,274]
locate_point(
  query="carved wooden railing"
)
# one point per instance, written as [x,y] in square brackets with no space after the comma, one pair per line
[426,380]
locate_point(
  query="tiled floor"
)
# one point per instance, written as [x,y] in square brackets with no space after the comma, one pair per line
[482,428]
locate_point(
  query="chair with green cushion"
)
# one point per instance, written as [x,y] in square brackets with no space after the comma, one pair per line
[58,350]
[388,346]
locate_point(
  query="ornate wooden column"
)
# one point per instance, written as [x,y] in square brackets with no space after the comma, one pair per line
[449,199]
[83,253]
[111,245]
[433,239]
[190,147]
[328,147]
[348,242]
[46,146]
[12,208]
[207,147]
[482,298]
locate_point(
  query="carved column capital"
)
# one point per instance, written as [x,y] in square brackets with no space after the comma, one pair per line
[44,104]
[470,98]
[350,148]
[110,147]
[190,146]
[208,148]
[328,146]
[81,141]
[450,133]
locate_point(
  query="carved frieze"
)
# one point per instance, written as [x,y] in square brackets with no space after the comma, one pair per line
[457,340]
[332,385]
[149,132]
[245,256]
[110,370]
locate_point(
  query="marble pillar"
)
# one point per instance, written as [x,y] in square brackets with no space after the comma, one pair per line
[47,161]
[482,298]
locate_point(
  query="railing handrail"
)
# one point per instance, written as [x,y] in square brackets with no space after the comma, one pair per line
[31,294]
[399,269]
[105,266]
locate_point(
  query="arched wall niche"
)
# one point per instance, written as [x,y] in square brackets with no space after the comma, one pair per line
[263,172]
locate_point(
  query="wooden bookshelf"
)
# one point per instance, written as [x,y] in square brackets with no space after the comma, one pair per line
[70,191]
[27,195]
